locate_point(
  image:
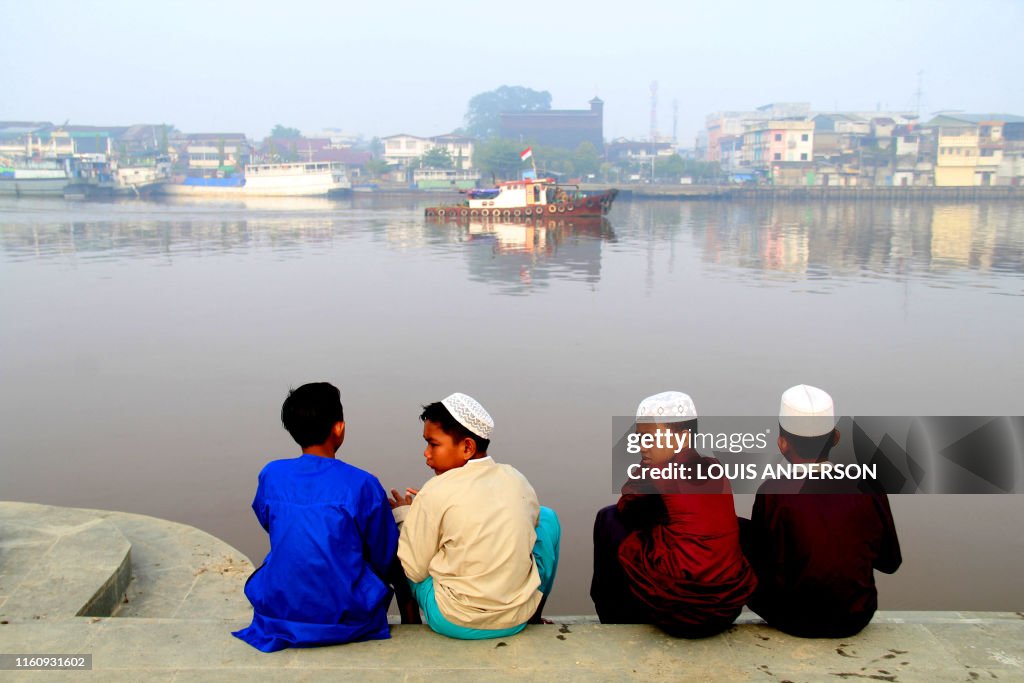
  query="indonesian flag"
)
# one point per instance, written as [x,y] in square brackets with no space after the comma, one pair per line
[526,154]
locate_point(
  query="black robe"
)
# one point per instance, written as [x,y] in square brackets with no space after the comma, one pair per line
[815,555]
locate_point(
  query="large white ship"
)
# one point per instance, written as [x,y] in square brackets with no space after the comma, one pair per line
[29,179]
[302,179]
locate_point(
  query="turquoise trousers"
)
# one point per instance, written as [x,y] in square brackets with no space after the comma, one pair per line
[545,555]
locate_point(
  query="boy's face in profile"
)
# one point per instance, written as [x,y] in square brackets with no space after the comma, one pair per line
[654,456]
[443,453]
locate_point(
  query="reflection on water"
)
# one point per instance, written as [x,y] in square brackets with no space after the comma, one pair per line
[749,241]
[147,347]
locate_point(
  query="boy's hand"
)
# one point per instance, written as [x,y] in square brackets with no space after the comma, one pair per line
[398,500]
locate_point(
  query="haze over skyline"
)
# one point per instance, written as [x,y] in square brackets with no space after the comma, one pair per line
[381,69]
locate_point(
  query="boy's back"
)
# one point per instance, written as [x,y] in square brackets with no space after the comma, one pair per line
[332,537]
[816,542]
[815,556]
[473,530]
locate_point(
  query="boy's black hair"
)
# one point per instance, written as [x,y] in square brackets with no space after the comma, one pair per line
[815,448]
[437,413]
[311,411]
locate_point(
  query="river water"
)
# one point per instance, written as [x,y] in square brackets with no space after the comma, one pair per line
[147,348]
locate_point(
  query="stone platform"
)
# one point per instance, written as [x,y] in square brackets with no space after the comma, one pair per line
[59,568]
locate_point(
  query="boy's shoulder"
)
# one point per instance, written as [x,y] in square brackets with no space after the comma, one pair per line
[286,468]
[452,480]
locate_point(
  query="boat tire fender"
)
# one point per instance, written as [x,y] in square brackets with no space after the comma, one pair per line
[551,208]
[517,213]
[486,212]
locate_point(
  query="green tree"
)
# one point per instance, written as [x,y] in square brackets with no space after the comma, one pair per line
[280,131]
[164,133]
[555,160]
[436,157]
[376,167]
[483,115]
[586,159]
[499,158]
[671,168]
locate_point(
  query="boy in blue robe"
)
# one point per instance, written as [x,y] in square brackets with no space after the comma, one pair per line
[332,537]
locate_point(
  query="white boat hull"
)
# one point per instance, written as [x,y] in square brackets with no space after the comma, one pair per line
[33,187]
[247,191]
[314,179]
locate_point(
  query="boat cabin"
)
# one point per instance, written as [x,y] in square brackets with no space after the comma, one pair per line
[517,194]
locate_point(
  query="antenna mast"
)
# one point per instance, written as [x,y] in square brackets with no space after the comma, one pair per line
[675,122]
[654,111]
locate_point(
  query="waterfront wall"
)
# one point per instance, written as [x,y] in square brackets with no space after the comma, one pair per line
[726,192]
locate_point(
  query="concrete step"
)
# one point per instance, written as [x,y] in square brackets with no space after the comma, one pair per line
[57,562]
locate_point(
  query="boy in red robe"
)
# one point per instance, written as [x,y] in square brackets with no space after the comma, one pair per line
[816,543]
[668,553]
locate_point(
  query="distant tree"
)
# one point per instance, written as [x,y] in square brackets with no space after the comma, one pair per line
[672,168]
[498,158]
[376,167]
[280,131]
[376,147]
[483,115]
[554,160]
[586,159]
[164,133]
[675,167]
[436,157]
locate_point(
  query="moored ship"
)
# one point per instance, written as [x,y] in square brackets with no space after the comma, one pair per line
[34,178]
[302,179]
[527,198]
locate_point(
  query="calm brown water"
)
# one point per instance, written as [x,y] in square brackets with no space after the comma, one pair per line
[146,348]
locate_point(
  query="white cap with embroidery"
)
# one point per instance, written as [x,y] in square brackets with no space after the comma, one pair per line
[807,411]
[666,407]
[470,414]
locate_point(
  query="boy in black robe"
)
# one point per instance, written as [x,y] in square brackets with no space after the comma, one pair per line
[815,551]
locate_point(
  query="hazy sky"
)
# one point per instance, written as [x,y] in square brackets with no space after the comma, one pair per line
[381,68]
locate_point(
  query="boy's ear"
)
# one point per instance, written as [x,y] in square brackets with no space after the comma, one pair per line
[468,448]
[835,437]
[339,431]
[783,445]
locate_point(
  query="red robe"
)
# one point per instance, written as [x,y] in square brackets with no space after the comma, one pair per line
[684,561]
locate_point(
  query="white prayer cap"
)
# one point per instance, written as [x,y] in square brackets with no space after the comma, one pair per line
[470,414]
[666,407]
[807,411]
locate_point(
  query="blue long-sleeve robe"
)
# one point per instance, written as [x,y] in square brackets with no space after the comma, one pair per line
[332,542]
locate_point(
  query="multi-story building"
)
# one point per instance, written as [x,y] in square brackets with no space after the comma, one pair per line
[782,151]
[403,149]
[212,151]
[459,148]
[734,123]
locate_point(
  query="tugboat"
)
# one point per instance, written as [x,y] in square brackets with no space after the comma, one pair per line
[527,198]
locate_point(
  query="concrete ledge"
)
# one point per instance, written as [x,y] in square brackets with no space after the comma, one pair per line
[60,562]
[185,598]
[167,649]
